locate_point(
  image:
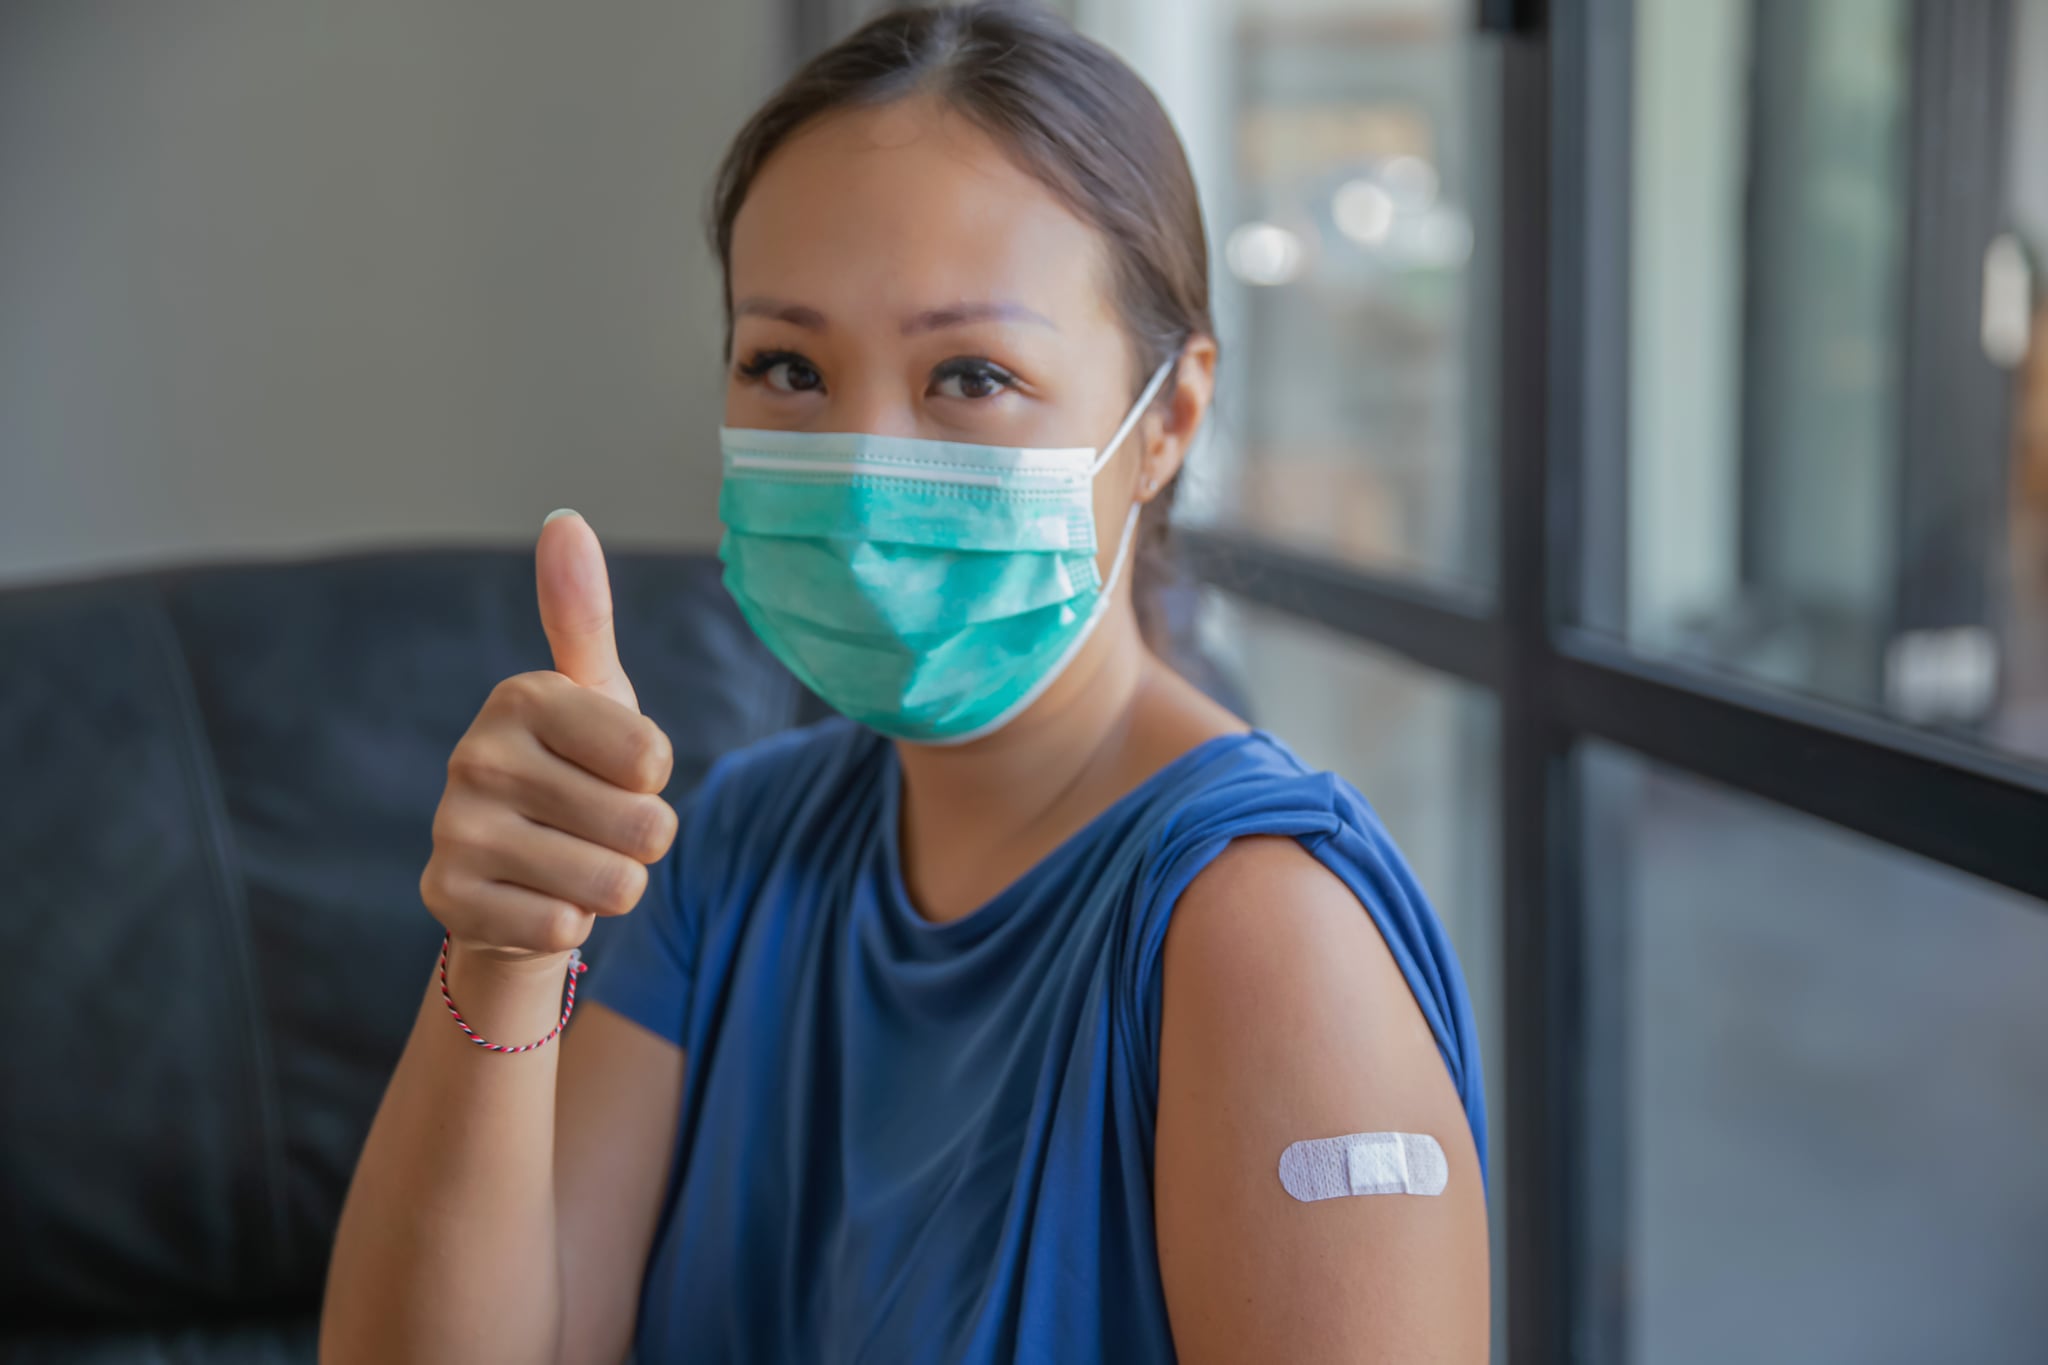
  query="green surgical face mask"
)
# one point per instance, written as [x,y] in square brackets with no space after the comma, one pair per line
[929,589]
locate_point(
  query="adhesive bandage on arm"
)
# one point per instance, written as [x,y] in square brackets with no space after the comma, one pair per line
[1364,1163]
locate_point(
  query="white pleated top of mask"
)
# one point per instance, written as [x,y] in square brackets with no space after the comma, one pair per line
[861,454]
[864,454]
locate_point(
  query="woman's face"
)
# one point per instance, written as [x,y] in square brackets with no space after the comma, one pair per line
[893,272]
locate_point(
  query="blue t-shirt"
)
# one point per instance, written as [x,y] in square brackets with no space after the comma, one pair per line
[909,1142]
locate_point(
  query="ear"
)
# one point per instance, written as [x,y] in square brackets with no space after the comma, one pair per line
[1170,426]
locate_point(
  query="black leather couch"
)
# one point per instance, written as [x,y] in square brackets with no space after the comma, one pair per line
[216,787]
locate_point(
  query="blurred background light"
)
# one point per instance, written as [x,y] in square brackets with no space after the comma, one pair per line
[1264,254]
[1364,212]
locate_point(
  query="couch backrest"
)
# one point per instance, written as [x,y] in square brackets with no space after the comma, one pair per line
[216,788]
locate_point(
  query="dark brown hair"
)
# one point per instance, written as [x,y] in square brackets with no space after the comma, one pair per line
[1073,115]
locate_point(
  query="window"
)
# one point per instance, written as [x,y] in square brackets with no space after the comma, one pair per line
[1835,370]
[1718,464]
[1833,1085]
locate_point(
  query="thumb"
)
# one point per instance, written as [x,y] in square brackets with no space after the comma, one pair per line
[576,606]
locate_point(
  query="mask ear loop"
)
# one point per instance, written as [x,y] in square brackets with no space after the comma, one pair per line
[1137,411]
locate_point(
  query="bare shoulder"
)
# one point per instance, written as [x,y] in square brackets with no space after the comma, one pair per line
[1286,1018]
[1264,913]
[1271,940]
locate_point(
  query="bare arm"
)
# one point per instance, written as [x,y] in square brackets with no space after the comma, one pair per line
[615,1137]
[447,1244]
[467,1235]
[1285,1018]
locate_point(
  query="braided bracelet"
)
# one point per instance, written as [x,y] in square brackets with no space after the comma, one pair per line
[576,965]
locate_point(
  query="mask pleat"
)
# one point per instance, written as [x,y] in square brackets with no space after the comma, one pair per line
[948,684]
[888,590]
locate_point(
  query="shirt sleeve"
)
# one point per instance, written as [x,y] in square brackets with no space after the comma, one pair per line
[644,964]
[1335,826]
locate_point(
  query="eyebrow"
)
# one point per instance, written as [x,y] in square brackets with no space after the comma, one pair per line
[793,313]
[930,320]
[960,314]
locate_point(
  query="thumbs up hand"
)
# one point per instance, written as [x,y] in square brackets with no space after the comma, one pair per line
[576,607]
[553,808]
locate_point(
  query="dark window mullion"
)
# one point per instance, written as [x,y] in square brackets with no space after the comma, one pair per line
[1539,908]
[1969,809]
[1450,630]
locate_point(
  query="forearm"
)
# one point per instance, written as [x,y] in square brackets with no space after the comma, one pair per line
[447,1247]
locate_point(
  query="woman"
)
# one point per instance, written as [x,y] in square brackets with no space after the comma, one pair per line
[977,1025]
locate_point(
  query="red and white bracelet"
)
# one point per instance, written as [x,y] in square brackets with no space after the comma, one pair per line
[576,966]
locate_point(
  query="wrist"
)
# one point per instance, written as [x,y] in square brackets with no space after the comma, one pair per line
[507,1000]
[511,964]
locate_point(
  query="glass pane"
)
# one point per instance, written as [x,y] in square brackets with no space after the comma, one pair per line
[1836,1087]
[1423,749]
[1838,353]
[1344,152]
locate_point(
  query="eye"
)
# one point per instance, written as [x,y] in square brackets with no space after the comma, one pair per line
[971,377]
[784,371]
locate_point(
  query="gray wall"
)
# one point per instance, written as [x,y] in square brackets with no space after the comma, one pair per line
[291,277]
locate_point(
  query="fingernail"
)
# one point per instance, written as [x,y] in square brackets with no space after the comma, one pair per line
[560,512]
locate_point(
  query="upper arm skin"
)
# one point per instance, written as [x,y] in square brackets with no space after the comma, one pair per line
[1284,1017]
[617,1094]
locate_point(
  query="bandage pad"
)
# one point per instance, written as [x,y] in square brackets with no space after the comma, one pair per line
[1364,1163]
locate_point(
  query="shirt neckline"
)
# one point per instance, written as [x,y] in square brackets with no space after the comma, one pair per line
[997,908]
